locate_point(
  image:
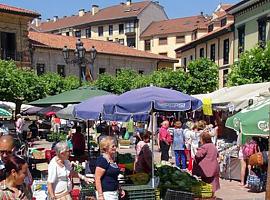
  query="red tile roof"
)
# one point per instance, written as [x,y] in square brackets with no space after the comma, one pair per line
[205,37]
[109,13]
[178,25]
[15,10]
[59,41]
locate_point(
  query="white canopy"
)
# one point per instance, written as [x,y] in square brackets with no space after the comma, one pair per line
[237,96]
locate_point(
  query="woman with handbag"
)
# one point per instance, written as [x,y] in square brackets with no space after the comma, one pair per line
[107,171]
[60,174]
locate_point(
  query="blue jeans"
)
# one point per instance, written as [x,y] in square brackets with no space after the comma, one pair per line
[180,156]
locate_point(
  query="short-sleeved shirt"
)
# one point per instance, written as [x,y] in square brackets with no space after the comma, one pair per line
[59,176]
[109,181]
[7,193]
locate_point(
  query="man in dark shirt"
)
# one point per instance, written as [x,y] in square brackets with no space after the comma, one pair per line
[78,142]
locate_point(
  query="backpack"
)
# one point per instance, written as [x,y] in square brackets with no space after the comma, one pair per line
[250,148]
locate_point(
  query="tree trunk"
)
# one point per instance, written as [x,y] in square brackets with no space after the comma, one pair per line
[18,107]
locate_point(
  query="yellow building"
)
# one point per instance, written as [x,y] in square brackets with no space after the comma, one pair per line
[14,43]
[216,44]
[122,23]
[163,37]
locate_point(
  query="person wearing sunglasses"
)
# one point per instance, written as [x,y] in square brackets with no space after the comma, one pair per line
[107,171]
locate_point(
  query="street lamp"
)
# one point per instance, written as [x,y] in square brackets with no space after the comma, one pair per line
[79,57]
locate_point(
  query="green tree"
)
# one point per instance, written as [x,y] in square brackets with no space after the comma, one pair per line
[252,67]
[19,86]
[105,82]
[202,76]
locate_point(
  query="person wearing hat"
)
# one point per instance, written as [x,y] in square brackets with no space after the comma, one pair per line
[179,145]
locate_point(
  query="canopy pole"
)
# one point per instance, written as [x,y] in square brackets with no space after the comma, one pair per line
[153,165]
[88,135]
[267,196]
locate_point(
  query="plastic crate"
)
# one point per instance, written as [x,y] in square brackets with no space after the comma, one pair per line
[177,195]
[202,190]
[138,192]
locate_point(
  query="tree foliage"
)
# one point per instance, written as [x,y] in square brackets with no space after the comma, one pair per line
[252,67]
[202,76]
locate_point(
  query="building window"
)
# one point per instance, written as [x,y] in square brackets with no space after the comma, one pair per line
[67,33]
[78,34]
[226,50]
[130,27]
[262,32]
[201,52]
[191,57]
[61,70]
[147,45]
[210,27]
[213,52]
[8,46]
[178,54]
[163,54]
[225,76]
[185,64]
[121,28]
[180,39]
[100,31]
[141,72]
[223,22]
[121,41]
[241,40]
[40,69]
[162,41]
[101,70]
[110,29]
[88,32]
[131,42]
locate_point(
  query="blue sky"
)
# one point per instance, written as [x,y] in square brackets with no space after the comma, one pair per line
[173,8]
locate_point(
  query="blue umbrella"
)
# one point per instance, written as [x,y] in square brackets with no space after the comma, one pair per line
[92,108]
[139,103]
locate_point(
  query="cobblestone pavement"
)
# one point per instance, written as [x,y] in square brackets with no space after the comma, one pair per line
[230,190]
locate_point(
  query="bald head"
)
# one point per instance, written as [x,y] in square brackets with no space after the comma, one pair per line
[6,145]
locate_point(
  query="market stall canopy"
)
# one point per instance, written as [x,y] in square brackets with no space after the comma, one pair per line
[10,106]
[92,108]
[253,120]
[70,97]
[66,113]
[31,111]
[4,113]
[237,97]
[50,110]
[139,103]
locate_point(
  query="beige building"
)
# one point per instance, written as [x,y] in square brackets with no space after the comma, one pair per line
[121,23]
[251,24]
[163,37]
[14,44]
[216,44]
[111,57]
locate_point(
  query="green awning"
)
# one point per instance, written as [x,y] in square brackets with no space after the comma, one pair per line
[4,113]
[70,97]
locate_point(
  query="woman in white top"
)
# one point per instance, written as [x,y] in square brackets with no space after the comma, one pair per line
[60,173]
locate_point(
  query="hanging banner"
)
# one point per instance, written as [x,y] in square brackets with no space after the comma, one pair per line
[207,106]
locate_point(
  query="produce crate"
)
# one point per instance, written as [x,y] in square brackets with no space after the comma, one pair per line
[177,195]
[202,190]
[139,192]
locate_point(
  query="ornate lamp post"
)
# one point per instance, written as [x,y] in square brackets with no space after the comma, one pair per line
[79,57]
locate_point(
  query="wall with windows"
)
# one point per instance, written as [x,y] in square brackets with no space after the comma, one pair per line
[221,55]
[247,25]
[14,43]
[51,60]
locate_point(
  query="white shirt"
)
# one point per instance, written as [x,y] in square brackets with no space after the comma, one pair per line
[59,176]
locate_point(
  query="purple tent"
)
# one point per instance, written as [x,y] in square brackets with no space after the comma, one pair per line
[92,108]
[31,111]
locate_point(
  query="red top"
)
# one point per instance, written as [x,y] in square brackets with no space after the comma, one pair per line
[164,134]
[78,141]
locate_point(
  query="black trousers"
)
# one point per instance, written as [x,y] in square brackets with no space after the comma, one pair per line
[164,151]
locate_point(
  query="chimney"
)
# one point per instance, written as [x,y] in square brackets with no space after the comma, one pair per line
[55,18]
[95,9]
[81,12]
[47,20]
[128,2]
[37,21]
